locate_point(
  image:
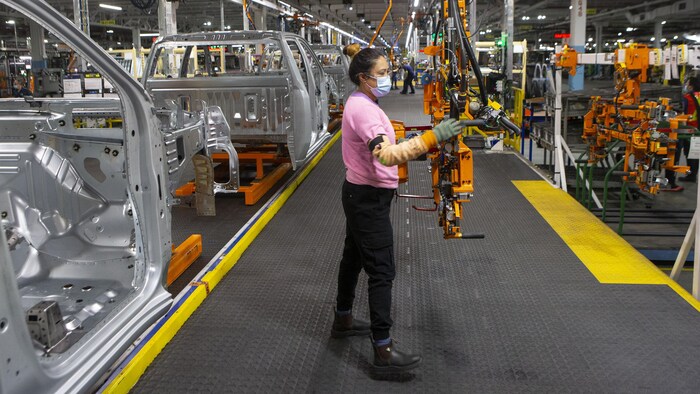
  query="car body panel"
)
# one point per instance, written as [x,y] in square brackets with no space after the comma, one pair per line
[86,219]
[285,105]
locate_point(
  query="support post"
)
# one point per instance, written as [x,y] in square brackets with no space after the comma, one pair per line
[246,23]
[658,33]
[508,19]
[262,19]
[167,20]
[598,43]
[136,39]
[559,180]
[82,20]
[223,22]
[578,39]
[38,49]
[472,24]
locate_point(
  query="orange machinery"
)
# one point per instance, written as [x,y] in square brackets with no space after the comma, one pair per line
[449,95]
[649,129]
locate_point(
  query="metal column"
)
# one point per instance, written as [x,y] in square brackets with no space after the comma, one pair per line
[222,24]
[598,43]
[508,27]
[658,33]
[472,24]
[136,39]
[246,23]
[167,21]
[578,39]
[262,19]
[82,20]
[38,49]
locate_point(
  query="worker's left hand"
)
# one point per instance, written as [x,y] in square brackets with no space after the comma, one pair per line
[447,129]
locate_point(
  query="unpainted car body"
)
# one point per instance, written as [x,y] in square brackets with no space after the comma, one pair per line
[85,214]
[270,85]
[336,65]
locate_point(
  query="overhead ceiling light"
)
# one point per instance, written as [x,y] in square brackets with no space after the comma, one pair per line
[413,15]
[148,35]
[663,22]
[111,7]
[675,37]
[350,8]
[110,31]
[415,3]
[10,22]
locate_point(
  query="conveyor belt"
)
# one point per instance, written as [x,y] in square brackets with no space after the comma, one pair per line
[231,215]
[517,311]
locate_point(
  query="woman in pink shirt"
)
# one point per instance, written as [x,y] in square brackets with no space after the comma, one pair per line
[371,156]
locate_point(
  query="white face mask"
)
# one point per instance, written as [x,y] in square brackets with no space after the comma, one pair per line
[383,86]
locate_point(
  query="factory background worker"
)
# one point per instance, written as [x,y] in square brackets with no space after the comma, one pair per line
[19,88]
[691,95]
[408,78]
[371,154]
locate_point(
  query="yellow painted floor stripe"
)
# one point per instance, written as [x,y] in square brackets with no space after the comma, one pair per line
[606,255]
[131,373]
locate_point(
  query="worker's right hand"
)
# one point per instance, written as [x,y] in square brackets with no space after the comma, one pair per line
[447,129]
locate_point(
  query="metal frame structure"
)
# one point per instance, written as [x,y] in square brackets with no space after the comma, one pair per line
[289,106]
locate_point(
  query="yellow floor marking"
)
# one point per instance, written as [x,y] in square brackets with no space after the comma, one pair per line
[606,255]
[131,373]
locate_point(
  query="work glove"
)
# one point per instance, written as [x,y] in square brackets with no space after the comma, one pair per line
[447,129]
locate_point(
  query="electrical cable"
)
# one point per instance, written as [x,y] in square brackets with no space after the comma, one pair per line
[470,53]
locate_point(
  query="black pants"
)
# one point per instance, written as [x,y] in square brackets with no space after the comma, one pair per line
[406,83]
[684,146]
[369,245]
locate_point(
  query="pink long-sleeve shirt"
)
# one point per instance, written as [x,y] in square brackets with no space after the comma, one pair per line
[363,121]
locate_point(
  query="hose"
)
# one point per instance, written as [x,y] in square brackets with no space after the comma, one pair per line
[470,53]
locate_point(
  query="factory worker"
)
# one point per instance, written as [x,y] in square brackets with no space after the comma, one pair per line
[371,156]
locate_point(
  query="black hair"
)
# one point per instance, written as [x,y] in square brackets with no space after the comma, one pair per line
[694,83]
[362,62]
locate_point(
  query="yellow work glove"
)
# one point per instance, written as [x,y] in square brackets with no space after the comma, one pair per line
[447,129]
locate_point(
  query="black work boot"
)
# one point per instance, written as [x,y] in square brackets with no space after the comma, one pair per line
[388,359]
[346,326]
